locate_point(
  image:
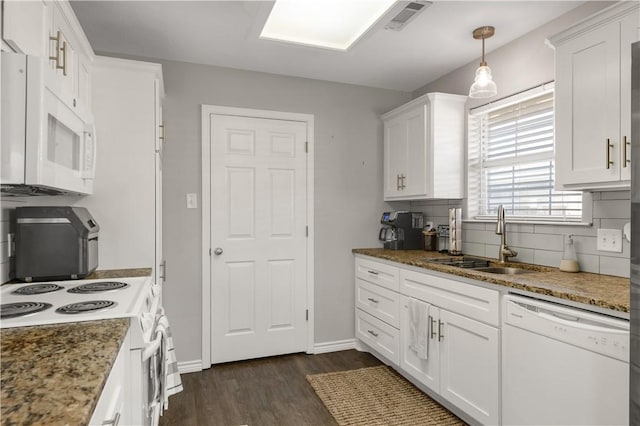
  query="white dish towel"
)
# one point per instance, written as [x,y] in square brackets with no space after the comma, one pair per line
[418,327]
[170,376]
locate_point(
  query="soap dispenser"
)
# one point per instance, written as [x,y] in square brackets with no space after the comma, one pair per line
[569,262]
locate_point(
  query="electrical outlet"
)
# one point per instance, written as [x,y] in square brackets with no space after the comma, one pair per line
[610,240]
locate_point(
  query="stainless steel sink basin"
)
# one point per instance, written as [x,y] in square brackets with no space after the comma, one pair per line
[503,270]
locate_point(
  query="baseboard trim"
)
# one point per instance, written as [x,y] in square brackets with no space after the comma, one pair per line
[190,366]
[335,346]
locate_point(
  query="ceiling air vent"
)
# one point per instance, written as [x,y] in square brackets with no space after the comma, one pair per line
[406,15]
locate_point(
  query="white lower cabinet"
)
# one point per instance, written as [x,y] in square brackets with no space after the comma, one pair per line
[379,335]
[462,365]
[111,408]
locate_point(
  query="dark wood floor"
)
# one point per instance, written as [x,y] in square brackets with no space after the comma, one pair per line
[262,392]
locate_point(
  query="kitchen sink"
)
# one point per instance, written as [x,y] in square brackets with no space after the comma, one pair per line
[503,270]
[466,262]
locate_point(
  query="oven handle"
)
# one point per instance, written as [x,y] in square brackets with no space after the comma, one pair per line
[152,347]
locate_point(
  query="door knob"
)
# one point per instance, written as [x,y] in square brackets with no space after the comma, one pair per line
[218,251]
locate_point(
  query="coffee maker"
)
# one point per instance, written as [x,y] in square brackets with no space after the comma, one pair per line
[402,230]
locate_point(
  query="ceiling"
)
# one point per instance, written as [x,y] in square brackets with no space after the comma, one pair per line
[225,33]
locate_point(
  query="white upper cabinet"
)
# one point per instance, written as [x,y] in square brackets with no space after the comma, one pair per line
[424,148]
[70,56]
[23,26]
[593,99]
[51,31]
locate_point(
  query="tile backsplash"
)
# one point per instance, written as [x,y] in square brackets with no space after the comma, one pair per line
[544,244]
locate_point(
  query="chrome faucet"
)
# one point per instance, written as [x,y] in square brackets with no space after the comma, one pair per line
[501,229]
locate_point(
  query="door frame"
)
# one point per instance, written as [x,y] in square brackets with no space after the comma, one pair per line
[207,111]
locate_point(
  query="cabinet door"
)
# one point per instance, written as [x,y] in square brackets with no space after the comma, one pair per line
[588,108]
[469,366]
[62,72]
[160,265]
[415,183]
[395,156]
[111,407]
[23,26]
[630,33]
[405,151]
[83,89]
[426,371]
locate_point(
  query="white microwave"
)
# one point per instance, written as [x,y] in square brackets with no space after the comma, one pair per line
[47,148]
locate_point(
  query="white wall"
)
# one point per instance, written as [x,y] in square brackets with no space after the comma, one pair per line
[348,183]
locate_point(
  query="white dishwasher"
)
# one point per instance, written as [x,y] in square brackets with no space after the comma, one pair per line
[563,366]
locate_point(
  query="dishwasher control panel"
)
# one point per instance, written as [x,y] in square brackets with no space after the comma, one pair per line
[598,333]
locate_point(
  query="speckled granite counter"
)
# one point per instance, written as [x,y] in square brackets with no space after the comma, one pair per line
[604,291]
[119,273]
[110,274]
[54,374]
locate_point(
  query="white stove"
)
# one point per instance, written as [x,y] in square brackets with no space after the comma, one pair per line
[76,300]
[137,298]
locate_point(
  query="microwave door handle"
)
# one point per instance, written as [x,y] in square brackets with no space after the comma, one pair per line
[90,174]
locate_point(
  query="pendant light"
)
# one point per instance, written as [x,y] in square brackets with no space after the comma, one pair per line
[483,85]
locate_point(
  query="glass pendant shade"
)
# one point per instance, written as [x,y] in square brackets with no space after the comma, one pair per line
[483,85]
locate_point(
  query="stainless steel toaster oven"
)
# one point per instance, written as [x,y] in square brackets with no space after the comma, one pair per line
[55,243]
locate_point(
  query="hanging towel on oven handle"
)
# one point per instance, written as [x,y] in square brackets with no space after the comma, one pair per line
[170,377]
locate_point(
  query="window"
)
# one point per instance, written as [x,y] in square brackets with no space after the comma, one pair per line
[511,161]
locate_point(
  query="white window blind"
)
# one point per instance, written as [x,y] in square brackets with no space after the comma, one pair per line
[511,161]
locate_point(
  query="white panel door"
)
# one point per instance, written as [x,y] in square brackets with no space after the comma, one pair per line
[258,235]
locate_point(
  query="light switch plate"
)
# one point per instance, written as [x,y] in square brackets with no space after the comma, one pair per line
[192,201]
[610,240]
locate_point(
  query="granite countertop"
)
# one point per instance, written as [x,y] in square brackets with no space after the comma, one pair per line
[119,273]
[54,374]
[604,291]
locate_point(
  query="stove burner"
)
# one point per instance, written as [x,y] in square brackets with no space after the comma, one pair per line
[37,289]
[20,309]
[88,306]
[98,287]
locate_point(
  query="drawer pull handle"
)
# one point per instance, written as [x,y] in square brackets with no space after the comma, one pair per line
[440,333]
[432,324]
[373,333]
[373,272]
[371,299]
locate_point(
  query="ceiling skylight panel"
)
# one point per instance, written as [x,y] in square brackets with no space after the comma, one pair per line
[331,24]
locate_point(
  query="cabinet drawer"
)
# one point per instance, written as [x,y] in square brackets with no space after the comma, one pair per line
[378,273]
[378,301]
[378,335]
[473,302]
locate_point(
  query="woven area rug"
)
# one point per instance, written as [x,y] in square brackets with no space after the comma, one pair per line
[377,396]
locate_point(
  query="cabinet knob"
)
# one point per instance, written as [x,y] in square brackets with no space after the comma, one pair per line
[218,251]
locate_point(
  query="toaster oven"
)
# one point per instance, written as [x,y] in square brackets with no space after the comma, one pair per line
[55,243]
